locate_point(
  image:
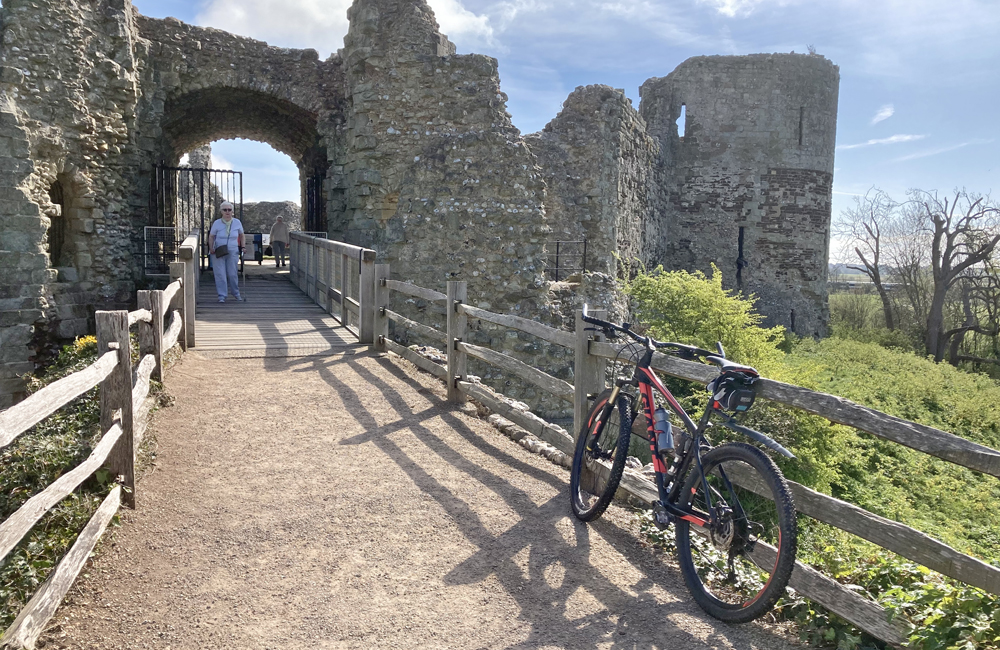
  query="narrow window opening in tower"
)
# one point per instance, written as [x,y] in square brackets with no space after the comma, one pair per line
[802,120]
[793,320]
[682,122]
[57,227]
[740,261]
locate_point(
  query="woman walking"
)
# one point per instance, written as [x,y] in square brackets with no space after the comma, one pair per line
[224,241]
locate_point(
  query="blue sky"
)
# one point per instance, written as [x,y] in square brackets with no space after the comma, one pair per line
[919,81]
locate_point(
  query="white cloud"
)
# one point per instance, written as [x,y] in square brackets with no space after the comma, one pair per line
[322,24]
[733,8]
[457,21]
[895,139]
[218,162]
[934,152]
[883,113]
[319,24]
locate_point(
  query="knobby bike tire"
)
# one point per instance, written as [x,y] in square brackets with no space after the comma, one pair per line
[730,572]
[588,505]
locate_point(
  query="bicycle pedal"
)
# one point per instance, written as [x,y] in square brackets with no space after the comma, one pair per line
[661,517]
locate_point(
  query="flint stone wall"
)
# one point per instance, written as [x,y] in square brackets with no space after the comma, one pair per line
[260,216]
[417,157]
[757,155]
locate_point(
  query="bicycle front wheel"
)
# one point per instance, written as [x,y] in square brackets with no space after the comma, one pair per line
[740,556]
[601,450]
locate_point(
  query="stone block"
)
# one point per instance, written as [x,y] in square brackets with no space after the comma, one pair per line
[14,337]
[15,369]
[11,387]
[12,240]
[87,225]
[44,276]
[8,304]
[84,260]
[19,317]
[68,274]
[70,329]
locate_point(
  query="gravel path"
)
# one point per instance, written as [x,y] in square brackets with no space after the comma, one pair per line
[342,503]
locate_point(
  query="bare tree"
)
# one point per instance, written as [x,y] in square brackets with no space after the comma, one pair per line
[964,232]
[980,304]
[864,228]
[907,254]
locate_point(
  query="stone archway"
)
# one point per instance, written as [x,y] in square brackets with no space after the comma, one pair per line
[206,115]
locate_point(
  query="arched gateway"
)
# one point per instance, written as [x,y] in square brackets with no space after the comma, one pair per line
[411,151]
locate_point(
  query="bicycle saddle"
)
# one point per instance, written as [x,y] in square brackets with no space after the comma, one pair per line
[731,366]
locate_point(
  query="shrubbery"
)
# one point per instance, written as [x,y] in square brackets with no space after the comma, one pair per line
[694,309]
[948,502]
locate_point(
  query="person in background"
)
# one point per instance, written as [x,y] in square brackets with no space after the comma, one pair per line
[228,232]
[279,240]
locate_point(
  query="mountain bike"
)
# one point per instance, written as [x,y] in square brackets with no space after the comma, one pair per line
[731,496]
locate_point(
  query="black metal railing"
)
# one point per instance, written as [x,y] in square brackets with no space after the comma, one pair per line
[564,258]
[188,198]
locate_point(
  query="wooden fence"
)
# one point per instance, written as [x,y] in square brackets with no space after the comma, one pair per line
[163,319]
[591,355]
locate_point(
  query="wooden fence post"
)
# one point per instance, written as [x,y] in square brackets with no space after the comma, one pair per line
[345,288]
[457,323]
[144,334]
[190,280]
[116,397]
[380,304]
[177,273]
[151,334]
[328,279]
[366,296]
[588,371]
[314,269]
[156,299]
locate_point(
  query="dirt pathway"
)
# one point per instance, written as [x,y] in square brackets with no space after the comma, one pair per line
[340,502]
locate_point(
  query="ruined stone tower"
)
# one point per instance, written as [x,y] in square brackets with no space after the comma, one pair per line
[744,182]
[416,156]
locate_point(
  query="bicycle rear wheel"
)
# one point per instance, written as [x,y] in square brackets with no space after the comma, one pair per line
[601,450]
[737,568]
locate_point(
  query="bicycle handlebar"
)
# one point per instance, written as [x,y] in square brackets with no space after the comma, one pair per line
[689,352]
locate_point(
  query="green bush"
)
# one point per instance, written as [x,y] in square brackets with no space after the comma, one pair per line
[694,309]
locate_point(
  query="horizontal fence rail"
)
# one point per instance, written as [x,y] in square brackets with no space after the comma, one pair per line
[24,415]
[124,391]
[591,356]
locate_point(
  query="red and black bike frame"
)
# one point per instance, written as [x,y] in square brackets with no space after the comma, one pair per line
[647,382]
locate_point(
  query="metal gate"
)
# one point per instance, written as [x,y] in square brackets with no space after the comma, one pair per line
[565,258]
[159,249]
[186,198]
[315,212]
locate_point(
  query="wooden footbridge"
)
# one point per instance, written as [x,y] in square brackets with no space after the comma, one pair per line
[335,299]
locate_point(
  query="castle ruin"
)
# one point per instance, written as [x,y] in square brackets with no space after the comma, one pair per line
[417,156]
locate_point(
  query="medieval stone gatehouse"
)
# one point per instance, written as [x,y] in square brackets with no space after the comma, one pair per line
[417,155]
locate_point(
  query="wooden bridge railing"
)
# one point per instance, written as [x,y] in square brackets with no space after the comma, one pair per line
[339,277]
[591,354]
[124,390]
